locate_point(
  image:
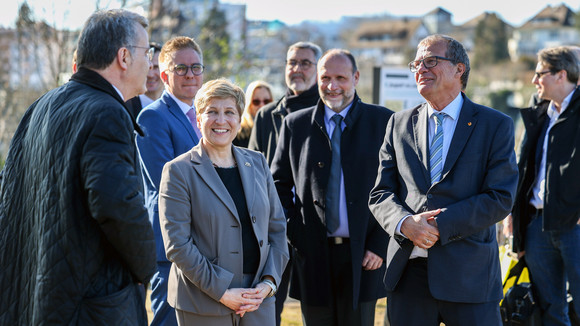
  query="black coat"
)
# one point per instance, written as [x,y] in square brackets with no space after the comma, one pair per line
[268,120]
[74,234]
[562,197]
[302,161]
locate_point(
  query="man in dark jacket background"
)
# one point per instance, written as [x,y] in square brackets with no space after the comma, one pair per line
[546,213]
[300,75]
[75,240]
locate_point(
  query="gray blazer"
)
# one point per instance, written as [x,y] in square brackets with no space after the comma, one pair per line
[202,231]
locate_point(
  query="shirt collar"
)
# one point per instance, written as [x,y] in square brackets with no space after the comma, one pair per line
[118,91]
[328,113]
[452,109]
[183,106]
[552,113]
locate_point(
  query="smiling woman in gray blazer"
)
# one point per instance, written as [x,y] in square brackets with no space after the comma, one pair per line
[222,222]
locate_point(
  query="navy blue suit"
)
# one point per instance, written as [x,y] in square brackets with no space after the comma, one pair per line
[168,134]
[476,190]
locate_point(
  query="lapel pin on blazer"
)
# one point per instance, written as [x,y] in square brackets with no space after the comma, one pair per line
[248,164]
[469,124]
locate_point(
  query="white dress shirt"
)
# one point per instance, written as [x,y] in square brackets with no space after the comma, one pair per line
[452,111]
[537,199]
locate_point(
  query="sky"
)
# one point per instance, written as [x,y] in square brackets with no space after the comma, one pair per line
[72,13]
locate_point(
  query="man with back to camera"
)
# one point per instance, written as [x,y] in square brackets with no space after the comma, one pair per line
[75,242]
[447,175]
[324,168]
[170,129]
[547,210]
[154,85]
[300,75]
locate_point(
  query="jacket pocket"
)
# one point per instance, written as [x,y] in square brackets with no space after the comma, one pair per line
[125,307]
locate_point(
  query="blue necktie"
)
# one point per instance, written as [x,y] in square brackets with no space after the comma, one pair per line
[436,149]
[333,189]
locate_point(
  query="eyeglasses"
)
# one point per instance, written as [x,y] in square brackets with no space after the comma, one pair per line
[259,101]
[539,74]
[150,50]
[428,62]
[181,69]
[304,64]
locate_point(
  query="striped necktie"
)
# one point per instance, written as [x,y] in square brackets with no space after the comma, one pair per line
[436,149]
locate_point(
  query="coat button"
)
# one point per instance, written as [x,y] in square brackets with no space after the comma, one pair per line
[261,243]
[254,219]
[429,196]
[321,164]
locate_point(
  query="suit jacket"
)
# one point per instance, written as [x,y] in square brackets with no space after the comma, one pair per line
[302,161]
[202,229]
[561,204]
[476,190]
[168,134]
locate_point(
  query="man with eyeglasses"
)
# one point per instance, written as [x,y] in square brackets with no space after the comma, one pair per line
[170,129]
[447,175]
[154,84]
[302,92]
[76,245]
[547,209]
[324,167]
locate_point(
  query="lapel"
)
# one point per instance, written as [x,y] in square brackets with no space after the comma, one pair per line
[203,166]
[176,112]
[571,109]
[466,123]
[420,132]
[247,174]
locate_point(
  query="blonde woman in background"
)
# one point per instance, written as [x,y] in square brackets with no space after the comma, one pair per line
[258,94]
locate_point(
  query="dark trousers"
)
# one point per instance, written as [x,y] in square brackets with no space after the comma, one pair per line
[412,304]
[340,312]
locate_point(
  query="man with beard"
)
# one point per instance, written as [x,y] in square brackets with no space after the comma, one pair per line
[324,168]
[300,76]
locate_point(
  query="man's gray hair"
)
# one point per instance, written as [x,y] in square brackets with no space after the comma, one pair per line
[104,33]
[455,52]
[307,45]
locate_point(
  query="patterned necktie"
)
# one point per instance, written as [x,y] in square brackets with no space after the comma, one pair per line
[436,149]
[333,188]
[191,115]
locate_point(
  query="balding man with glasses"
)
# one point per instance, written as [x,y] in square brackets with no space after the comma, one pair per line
[447,175]
[170,129]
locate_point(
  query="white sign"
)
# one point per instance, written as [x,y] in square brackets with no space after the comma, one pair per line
[396,88]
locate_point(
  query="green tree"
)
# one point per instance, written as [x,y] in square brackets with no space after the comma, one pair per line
[214,41]
[490,40]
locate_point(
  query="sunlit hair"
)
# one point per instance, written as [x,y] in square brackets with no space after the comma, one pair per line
[339,52]
[176,44]
[455,51]
[104,33]
[306,45]
[221,89]
[561,58]
[247,119]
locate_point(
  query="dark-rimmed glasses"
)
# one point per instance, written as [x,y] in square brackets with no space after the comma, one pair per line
[539,74]
[304,64]
[150,50]
[181,69]
[428,62]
